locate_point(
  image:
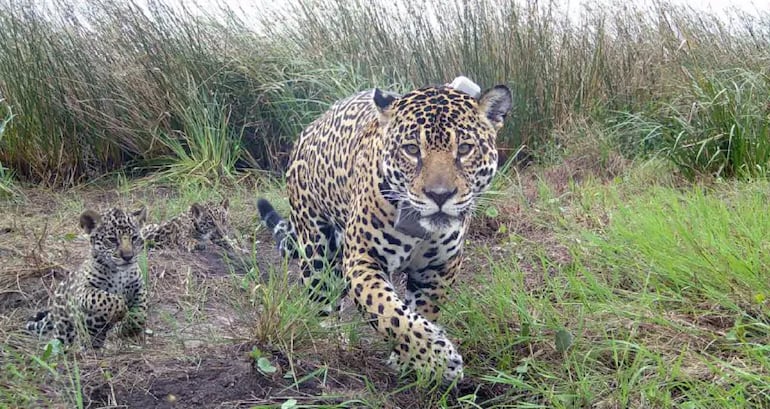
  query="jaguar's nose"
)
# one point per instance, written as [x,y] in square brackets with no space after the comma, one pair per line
[126,249]
[127,255]
[440,196]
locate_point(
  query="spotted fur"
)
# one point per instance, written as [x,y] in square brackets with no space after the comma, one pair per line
[391,181]
[192,229]
[107,289]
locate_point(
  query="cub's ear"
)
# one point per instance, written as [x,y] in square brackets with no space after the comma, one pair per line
[89,220]
[139,215]
[196,210]
[495,104]
[225,203]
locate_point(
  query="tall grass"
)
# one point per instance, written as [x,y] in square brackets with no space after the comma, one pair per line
[206,149]
[719,124]
[612,57]
[7,188]
[97,86]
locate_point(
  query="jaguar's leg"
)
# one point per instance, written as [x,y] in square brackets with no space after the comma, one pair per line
[317,248]
[420,343]
[101,310]
[136,303]
[426,286]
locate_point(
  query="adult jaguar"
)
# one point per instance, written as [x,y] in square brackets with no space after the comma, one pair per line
[391,181]
[107,289]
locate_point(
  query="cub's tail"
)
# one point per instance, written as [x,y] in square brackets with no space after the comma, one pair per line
[40,324]
[283,231]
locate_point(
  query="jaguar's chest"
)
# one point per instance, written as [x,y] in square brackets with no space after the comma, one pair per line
[400,252]
[395,239]
[113,280]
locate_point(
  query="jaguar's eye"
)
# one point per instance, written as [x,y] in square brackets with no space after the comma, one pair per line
[411,149]
[464,149]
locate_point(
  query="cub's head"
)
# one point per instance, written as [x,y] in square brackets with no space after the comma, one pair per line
[210,219]
[440,150]
[114,235]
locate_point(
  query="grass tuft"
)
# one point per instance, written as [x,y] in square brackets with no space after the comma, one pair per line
[717,126]
[206,149]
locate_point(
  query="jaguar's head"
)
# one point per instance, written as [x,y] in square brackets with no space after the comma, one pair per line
[440,151]
[211,219]
[114,235]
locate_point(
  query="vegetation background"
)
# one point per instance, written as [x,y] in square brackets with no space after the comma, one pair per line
[621,258]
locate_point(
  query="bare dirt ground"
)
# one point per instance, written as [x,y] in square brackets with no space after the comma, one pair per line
[197,354]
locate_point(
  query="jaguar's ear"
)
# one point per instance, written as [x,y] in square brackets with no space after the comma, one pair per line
[196,210]
[89,220]
[383,101]
[225,203]
[495,105]
[139,215]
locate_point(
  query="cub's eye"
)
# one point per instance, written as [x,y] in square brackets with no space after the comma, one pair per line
[411,149]
[464,149]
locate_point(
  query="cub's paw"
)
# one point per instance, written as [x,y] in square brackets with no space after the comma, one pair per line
[118,312]
[133,326]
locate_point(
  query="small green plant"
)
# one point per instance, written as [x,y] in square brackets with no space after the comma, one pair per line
[261,361]
[289,404]
[264,365]
[563,340]
[53,348]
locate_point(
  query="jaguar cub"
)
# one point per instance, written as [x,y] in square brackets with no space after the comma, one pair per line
[191,230]
[107,289]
